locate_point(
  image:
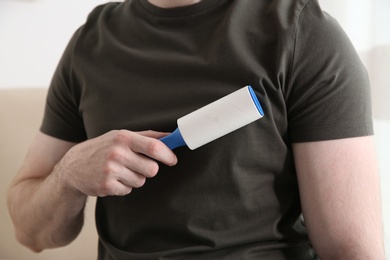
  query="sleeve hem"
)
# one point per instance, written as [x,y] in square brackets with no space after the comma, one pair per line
[62,134]
[331,132]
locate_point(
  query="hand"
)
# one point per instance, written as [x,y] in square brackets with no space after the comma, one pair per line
[114,163]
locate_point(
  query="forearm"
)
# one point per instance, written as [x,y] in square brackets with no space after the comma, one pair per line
[48,196]
[46,213]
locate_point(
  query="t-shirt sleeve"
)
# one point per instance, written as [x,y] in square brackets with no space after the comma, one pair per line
[329,91]
[62,117]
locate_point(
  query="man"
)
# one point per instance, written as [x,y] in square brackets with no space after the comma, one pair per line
[141,65]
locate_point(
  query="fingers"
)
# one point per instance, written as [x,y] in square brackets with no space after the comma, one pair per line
[133,160]
[147,144]
[124,157]
[116,162]
[153,134]
[114,188]
[119,180]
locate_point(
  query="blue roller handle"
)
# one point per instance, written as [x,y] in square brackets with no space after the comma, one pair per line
[174,140]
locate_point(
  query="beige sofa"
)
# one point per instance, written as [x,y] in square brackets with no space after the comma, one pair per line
[20,116]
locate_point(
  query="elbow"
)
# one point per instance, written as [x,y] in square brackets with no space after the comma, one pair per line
[35,249]
[29,242]
[37,243]
[21,235]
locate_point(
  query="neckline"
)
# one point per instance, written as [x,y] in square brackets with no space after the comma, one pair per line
[193,9]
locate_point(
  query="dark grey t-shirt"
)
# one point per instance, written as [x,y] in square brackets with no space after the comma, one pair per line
[135,66]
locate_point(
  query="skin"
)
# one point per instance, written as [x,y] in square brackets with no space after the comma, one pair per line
[57,177]
[340,195]
[173,3]
[338,182]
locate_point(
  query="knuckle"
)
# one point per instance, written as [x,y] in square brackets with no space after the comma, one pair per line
[115,154]
[153,169]
[106,187]
[121,136]
[139,182]
[108,169]
[126,191]
[154,148]
[122,192]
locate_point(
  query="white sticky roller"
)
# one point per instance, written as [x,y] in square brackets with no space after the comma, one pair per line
[216,119]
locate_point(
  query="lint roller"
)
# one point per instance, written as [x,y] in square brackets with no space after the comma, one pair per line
[216,119]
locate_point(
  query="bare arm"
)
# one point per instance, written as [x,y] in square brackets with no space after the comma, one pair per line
[340,194]
[47,198]
[33,195]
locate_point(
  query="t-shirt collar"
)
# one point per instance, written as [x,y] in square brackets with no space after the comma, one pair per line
[193,9]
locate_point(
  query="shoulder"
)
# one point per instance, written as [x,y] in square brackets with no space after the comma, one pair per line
[102,11]
[99,16]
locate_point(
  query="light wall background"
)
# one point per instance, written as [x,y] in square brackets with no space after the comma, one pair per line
[34,33]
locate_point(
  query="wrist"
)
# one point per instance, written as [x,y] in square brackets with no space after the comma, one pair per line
[62,175]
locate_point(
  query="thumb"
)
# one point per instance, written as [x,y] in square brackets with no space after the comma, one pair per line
[153,134]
